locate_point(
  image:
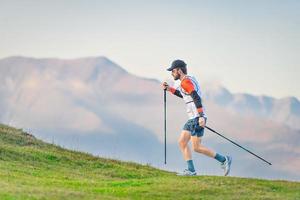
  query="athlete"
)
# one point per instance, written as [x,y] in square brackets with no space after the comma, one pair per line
[193,129]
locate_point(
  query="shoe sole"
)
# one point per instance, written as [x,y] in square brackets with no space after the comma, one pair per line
[186,174]
[229,165]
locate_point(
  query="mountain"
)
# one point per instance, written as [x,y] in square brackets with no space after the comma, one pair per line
[285,110]
[94,105]
[33,169]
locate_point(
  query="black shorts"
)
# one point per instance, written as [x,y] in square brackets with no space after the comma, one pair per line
[192,125]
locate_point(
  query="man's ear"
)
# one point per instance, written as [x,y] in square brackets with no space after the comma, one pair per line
[180,71]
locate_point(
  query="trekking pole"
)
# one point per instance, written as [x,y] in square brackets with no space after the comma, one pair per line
[165,121]
[238,145]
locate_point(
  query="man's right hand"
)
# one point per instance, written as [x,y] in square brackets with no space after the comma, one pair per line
[166,86]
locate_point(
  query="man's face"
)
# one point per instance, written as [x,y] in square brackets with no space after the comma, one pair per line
[175,74]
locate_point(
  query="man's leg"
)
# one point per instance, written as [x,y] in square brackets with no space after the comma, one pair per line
[185,149]
[183,141]
[198,147]
[196,135]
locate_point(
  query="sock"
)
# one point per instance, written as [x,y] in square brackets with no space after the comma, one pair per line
[190,165]
[220,158]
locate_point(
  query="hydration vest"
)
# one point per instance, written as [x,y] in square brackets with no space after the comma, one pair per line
[190,105]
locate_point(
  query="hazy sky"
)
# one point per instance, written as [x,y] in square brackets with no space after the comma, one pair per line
[248,46]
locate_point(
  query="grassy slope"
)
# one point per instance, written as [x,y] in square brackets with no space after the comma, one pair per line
[32,169]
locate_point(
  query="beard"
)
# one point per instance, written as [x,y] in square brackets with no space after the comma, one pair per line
[176,77]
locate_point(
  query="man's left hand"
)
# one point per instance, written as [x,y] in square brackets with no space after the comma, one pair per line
[202,121]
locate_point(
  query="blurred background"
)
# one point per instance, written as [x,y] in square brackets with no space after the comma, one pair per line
[87,75]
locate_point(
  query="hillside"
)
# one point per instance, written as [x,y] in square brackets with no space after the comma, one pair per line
[33,169]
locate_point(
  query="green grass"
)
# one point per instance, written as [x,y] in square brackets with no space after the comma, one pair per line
[33,169]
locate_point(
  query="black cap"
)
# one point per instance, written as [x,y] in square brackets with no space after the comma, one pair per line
[177,64]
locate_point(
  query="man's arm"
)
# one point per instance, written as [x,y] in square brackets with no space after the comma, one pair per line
[188,86]
[172,90]
[175,92]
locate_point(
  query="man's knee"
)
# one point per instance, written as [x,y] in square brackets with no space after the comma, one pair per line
[182,143]
[198,148]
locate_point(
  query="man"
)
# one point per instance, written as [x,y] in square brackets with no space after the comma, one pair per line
[193,130]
